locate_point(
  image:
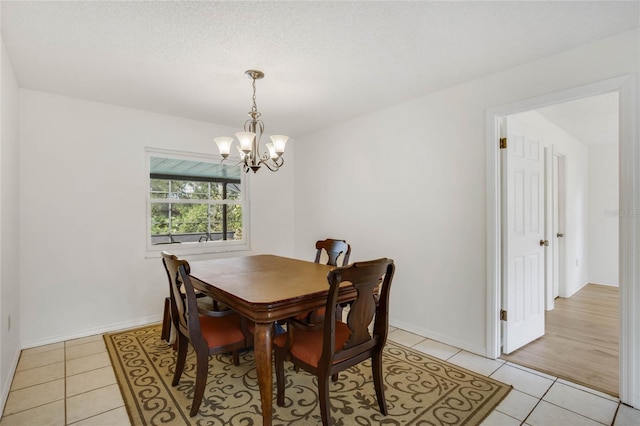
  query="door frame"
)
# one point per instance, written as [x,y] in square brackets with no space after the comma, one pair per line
[629,226]
[549,220]
[559,188]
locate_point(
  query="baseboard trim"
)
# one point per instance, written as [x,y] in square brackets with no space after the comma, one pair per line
[92,331]
[429,334]
[6,388]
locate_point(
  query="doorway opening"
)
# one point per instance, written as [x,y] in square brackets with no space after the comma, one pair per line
[629,243]
[570,153]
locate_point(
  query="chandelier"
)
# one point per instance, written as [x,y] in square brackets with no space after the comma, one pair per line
[249,148]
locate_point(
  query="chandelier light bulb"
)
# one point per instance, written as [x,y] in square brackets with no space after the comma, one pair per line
[272,151]
[279,142]
[224,145]
[246,141]
[242,154]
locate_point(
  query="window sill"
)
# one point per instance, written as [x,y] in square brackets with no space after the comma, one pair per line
[153,251]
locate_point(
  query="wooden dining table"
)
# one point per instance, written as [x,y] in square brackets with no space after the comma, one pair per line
[265,289]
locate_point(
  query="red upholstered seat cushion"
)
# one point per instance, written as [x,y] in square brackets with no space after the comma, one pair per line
[307,345]
[220,331]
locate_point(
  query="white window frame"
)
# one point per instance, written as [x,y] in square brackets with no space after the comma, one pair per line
[205,247]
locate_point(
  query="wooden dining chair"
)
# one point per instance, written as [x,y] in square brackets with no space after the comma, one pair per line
[168,331]
[339,345]
[331,250]
[209,332]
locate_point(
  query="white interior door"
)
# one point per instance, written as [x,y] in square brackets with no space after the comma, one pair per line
[523,234]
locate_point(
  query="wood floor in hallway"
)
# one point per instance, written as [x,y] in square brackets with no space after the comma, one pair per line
[581,340]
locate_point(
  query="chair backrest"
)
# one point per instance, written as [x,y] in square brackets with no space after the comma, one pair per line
[184,308]
[333,248]
[372,281]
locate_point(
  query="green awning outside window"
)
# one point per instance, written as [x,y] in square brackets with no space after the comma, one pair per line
[170,168]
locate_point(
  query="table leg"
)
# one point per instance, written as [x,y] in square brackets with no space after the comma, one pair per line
[262,346]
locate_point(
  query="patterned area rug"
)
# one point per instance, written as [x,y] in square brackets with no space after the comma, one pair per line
[419,389]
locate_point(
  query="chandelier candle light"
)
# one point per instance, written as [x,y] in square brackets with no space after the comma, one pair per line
[250,139]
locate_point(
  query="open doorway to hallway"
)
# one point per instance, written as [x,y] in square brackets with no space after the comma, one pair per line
[577,228]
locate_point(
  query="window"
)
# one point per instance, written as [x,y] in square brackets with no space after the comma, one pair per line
[195,205]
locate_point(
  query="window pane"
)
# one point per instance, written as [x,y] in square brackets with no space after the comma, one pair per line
[194,190]
[225,191]
[159,188]
[233,191]
[160,223]
[189,190]
[233,222]
[217,189]
[189,218]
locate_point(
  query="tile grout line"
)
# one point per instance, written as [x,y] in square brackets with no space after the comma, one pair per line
[86,391]
[12,391]
[567,409]
[95,415]
[539,401]
[581,414]
[615,415]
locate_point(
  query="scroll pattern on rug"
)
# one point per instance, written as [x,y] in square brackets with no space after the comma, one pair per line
[419,389]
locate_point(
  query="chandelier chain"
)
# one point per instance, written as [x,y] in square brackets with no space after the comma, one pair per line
[254,108]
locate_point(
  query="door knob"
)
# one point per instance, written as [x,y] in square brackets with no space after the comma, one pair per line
[544,243]
[559,235]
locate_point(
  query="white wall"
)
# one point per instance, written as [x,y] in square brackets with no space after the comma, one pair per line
[83,213]
[408,182]
[603,214]
[9,218]
[577,194]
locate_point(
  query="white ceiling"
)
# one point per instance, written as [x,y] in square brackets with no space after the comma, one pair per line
[325,62]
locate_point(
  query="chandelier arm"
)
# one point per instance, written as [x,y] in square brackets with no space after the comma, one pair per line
[260,126]
[272,165]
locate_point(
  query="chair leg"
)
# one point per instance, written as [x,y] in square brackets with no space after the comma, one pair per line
[323,396]
[279,361]
[376,366]
[166,320]
[202,368]
[180,357]
[236,358]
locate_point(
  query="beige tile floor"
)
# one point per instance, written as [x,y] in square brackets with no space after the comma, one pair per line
[536,399]
[67,383]
[72,383]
